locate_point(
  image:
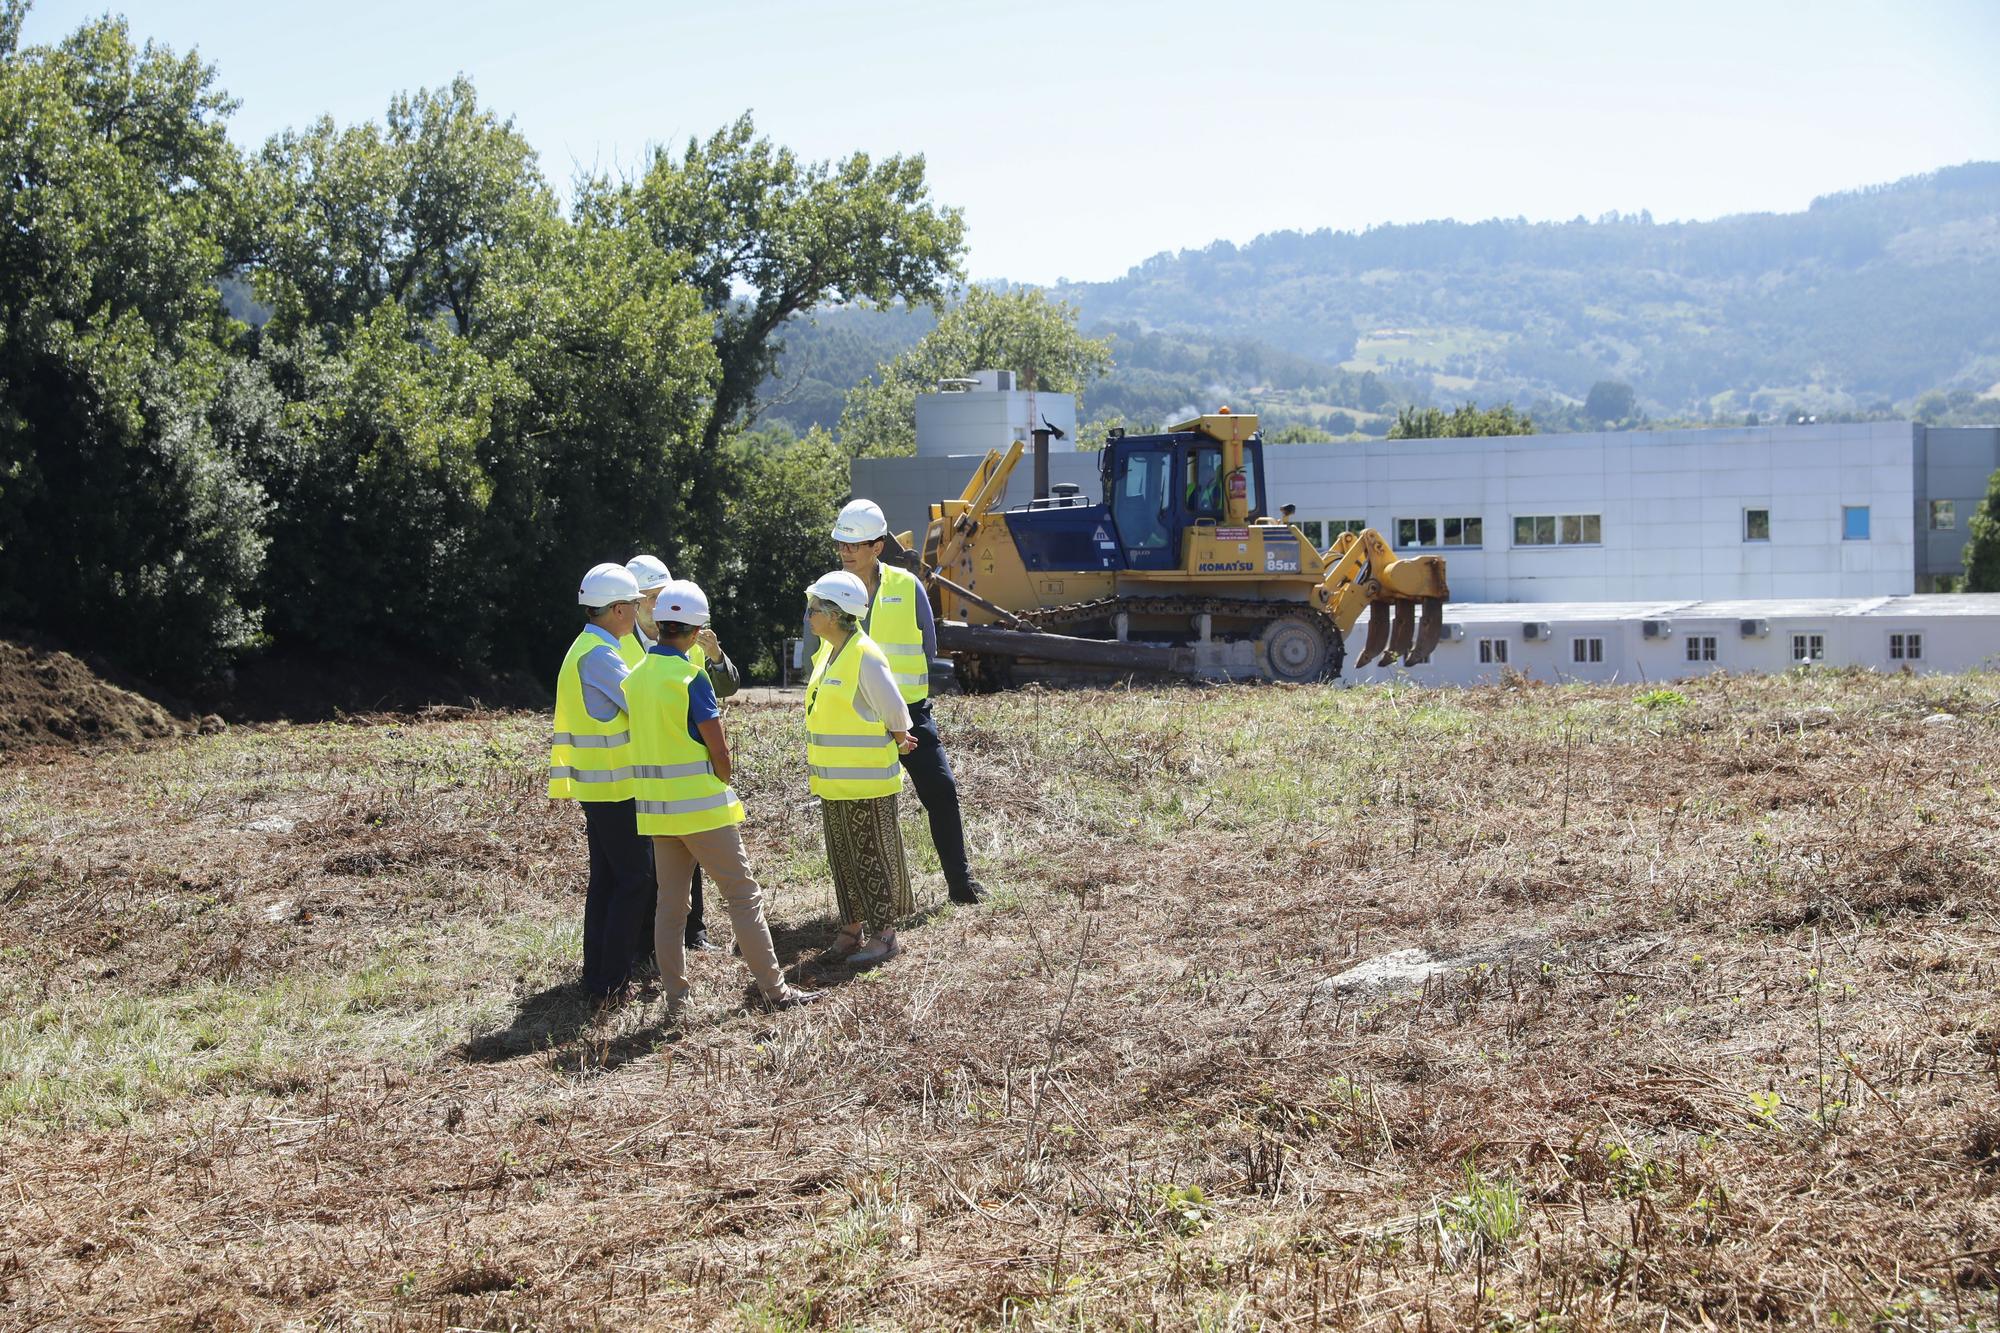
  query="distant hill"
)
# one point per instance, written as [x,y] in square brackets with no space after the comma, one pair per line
[1862,303]
[1868,297]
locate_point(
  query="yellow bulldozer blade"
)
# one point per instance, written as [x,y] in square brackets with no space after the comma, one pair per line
[1378,634]
[1402,633]
[1430,628]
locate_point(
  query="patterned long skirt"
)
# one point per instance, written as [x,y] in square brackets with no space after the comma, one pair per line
[871,880]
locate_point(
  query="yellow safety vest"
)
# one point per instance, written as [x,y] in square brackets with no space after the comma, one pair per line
[633,649]
[588,759]
[892,624]
[673,781]
[852,759]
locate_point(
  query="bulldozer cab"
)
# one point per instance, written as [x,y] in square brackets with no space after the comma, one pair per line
[1159,486]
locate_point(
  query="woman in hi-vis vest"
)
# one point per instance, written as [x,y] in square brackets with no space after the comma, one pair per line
[857,730]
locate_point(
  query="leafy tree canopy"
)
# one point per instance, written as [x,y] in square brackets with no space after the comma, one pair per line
[983,328]
[1430,423]
[1982,550]
[123,514]
[766,236]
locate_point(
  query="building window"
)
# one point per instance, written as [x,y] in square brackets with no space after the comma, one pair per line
[1412,533]
[1558,530]
[1854,523]
[1906,647]
[1492,652]
[1701,648]
[1808,648]
[1756,525]
[1944,515]
[1586,650]
[1324,532]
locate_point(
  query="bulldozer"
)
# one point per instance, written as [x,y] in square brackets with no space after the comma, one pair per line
[1168,573]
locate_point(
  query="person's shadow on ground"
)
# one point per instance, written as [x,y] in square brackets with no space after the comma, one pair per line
[546,1019]
[561,1014]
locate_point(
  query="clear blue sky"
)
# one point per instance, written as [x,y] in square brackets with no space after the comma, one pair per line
[1082,137]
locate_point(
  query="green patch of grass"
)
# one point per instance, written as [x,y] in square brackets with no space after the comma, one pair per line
[114,1059]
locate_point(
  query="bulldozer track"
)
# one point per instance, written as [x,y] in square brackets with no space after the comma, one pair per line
[1248,608]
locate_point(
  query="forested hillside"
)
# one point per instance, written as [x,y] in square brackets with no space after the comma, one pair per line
[1872,302]
[1871,297]
[1157,374]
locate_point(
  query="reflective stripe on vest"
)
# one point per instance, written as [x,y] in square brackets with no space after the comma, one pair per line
[587,775]
[674,785]
[716,801]
[849,757]
[608,741]
[892,624]
[588,760]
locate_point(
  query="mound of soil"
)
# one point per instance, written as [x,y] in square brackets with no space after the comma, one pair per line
[51,698]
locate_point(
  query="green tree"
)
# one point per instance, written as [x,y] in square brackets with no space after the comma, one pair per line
[597,452]
[766,237]
[778,507]
[1609,401]
[1430,423]
[482,394]
[1298,433]
[124,518]
[1982,548]
[983,328]
[413,211]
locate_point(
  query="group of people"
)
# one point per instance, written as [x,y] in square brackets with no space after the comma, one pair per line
[640,743]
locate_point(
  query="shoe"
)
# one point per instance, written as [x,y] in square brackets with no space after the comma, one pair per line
[877,950]
[605,1002]
[845,942]
[972,894]
[792,997]
[700,944]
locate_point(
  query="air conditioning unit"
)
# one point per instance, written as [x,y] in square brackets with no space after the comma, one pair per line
[1535,630]
[1754,629]
[1657,629]
[1454,633]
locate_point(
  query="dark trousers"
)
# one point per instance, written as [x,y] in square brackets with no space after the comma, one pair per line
[643,946]
[930,774]
[621,881]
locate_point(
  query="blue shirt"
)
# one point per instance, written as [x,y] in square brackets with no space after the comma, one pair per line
[603,672]
[702,706]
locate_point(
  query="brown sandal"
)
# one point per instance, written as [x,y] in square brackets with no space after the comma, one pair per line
[845,942]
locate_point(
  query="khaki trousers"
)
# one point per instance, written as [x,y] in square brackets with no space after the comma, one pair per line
[719,853]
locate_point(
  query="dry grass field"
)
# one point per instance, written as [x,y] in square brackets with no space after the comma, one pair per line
[1709,1035]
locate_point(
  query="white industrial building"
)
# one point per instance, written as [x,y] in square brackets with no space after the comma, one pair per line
[1820,530]
[1664,641]
[990,409]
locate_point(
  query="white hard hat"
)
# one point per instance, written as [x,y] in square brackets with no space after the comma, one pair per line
[650,570]
[843,589]
[605,585]
[681,603]
[860,521]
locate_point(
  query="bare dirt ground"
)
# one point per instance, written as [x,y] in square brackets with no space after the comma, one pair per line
[1703,1032]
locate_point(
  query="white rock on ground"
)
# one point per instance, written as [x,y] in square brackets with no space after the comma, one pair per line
[1404,967]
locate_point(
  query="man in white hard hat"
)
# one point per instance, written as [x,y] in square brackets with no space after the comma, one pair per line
[901,623]
[706,654]
[590,762]
[681,769]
